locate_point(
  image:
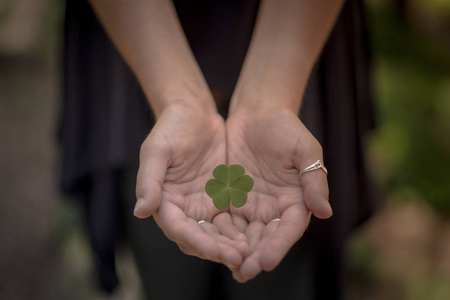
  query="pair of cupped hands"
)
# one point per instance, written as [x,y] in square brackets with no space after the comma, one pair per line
[178,158]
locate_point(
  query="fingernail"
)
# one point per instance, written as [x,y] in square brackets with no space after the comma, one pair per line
[328,207]
[138,206]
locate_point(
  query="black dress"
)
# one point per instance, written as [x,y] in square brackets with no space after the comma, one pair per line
[105,118]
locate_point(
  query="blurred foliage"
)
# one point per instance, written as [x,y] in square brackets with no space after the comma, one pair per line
[429,288]
[402,252]
[411,147]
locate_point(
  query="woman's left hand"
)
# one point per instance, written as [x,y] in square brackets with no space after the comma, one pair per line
[273,146]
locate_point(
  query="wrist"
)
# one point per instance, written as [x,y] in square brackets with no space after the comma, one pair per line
[246,116]
[269,88]
[192,107]
[255,101]
[190,113]
[188,95]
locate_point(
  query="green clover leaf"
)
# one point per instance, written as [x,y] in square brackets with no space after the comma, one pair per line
[230,184]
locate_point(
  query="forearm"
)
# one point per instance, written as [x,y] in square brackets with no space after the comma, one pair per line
[150,38]
[288,38]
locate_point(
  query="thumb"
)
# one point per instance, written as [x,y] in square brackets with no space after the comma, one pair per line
[153,164]
[314,183]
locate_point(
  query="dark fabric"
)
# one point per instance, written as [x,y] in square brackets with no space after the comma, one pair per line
[219,34]
[105,118]
[337,109]
[105,115]
[103,209]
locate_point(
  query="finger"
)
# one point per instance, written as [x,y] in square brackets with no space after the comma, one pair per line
[316,193]
[293,224]
[229,255]
[226,227]
[230,234]
[254,232]
[251,266]
[192,238]
[314,183]
[239,222]
[270,228]
[241,246]
[152,170]
[177,227]
[238,276]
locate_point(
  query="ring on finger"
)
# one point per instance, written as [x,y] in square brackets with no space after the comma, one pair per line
[315,166]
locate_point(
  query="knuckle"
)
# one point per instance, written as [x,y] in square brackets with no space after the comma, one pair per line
[153,144]
[314,147]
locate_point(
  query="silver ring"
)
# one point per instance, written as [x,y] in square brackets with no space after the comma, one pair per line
[276,220]
[315,166]
[201,221]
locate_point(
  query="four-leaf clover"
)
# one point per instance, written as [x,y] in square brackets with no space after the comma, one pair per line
[230,184]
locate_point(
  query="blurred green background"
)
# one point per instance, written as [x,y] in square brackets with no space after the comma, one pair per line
[403,252]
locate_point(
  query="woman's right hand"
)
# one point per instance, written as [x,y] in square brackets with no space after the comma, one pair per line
[176,161]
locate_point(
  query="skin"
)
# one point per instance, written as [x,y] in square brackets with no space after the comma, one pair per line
[279,191]
[262,132]
[175,164]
